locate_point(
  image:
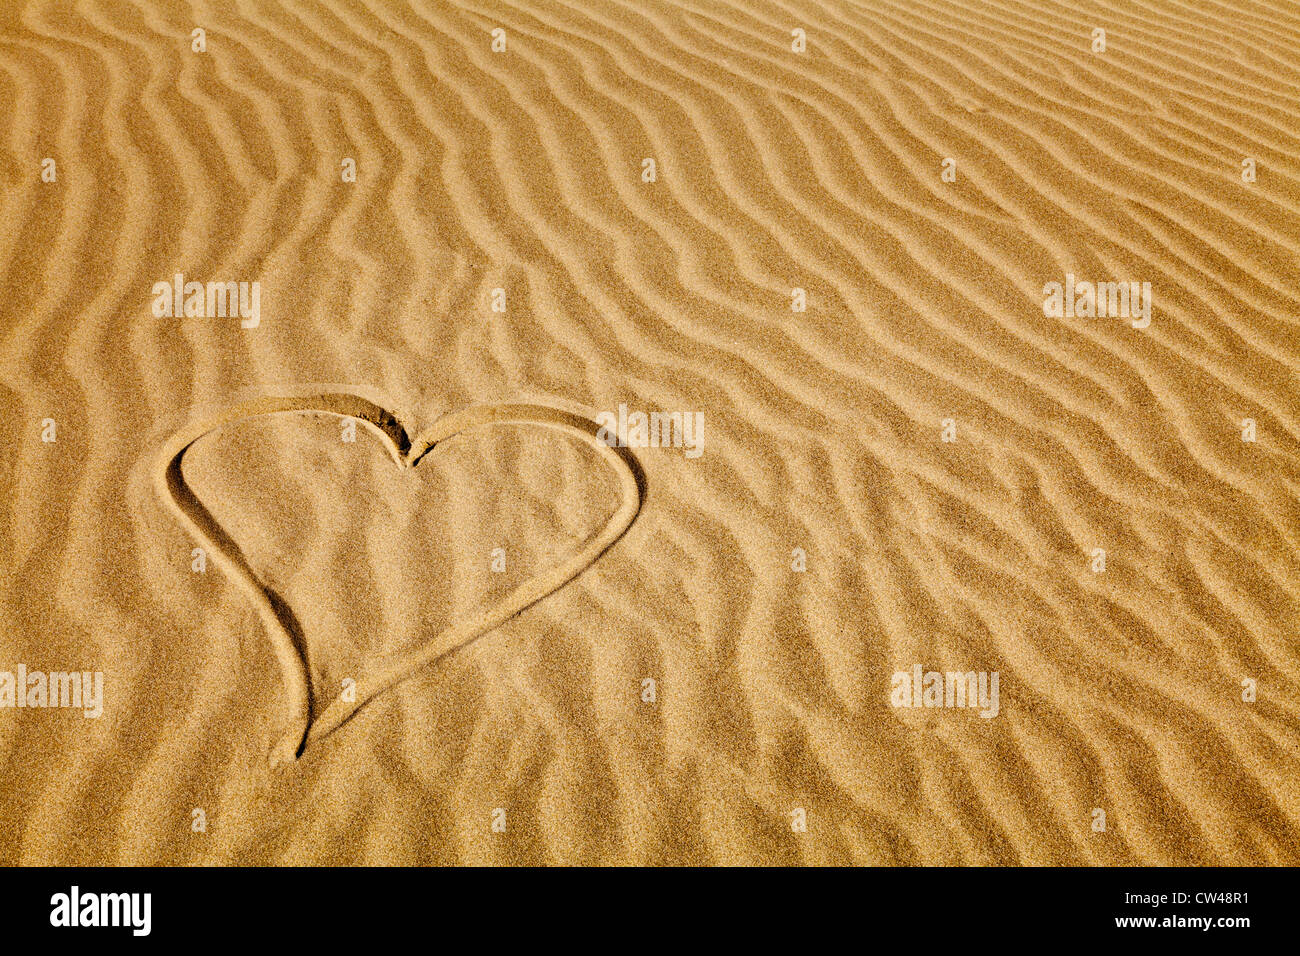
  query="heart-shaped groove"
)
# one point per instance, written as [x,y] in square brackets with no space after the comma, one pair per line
[300,730]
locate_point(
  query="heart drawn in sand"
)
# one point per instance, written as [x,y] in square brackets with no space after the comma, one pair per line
[406,450]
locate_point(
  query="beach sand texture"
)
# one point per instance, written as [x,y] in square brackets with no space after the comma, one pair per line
[919,469]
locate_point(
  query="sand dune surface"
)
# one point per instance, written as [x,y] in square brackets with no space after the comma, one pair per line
[825,232]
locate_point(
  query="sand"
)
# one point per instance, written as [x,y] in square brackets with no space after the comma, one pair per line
[906,461]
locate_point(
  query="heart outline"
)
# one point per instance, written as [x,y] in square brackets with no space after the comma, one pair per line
[406,451]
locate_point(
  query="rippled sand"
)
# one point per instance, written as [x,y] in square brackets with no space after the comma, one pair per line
[1121,690]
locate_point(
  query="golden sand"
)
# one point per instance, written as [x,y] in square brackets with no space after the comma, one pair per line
[908,460]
